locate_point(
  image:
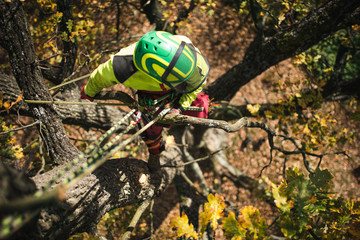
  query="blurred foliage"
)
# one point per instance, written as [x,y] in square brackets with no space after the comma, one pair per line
[114,224]
[274,14]
[309,208]
[9,150]
[95,26]
[322,61]
[302,110]
[183,228]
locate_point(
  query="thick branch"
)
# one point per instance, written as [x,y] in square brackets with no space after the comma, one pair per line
[102,117]
[153,12]
[178,119]
[117,183]
[264,53]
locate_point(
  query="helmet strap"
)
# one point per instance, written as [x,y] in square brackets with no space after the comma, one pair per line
[172,65]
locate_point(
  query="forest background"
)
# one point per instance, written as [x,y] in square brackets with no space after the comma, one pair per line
[285,72]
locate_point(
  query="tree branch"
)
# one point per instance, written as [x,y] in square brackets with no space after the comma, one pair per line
[264,53]
[140,210]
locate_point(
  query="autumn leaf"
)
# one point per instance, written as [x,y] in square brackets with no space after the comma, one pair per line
[1,99]
[321,178]
[288,227]
[252,221]
[250,224]
[253,109]
[279,199]
[7,105]
[183,227]
[213,211]
[232,227]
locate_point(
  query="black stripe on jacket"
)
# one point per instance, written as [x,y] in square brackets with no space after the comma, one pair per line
[123,67]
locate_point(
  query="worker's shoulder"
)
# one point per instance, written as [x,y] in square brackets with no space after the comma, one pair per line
[183,38]
[129,50]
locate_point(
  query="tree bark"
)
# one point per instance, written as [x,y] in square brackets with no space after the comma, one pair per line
[16,39]
[117,183]
[266,52]
[101,117]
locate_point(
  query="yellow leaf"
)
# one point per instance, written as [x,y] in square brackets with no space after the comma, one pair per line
[18,152]
[1,99]
[7,106]
[213,211]
[253,109]
[183,227]
[19,98]
[306,129]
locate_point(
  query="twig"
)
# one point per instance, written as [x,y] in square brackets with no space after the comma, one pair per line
[135,219]
[325,154]
[284,169]
[151,219]
[41,152]
[30,144]
[178,119]
[268,165]
[125,98]
[193,161]
[20,128]
[71,81]
[204,194]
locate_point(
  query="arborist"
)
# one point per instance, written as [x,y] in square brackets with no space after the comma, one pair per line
[158,64]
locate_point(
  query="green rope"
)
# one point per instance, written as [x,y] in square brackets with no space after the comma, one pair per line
[90,149]
[74,103]
[197,109]
[71,81]
[98,156]
[11,224]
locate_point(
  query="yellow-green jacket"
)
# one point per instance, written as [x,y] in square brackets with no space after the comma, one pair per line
[106,75]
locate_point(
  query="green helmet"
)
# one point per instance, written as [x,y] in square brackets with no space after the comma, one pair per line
[165,58]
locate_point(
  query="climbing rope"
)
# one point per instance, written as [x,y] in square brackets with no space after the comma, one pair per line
[98,155]
[11,224]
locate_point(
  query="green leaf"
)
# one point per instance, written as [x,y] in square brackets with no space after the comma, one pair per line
[251,220]
[279,198]
[322,179]
[288,227]
[232,227]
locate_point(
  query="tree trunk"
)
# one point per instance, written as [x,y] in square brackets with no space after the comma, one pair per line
[16,39]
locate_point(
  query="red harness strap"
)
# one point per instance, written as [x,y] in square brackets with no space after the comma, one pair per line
[164,88]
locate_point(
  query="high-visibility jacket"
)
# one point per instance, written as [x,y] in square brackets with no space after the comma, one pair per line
[121,69]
